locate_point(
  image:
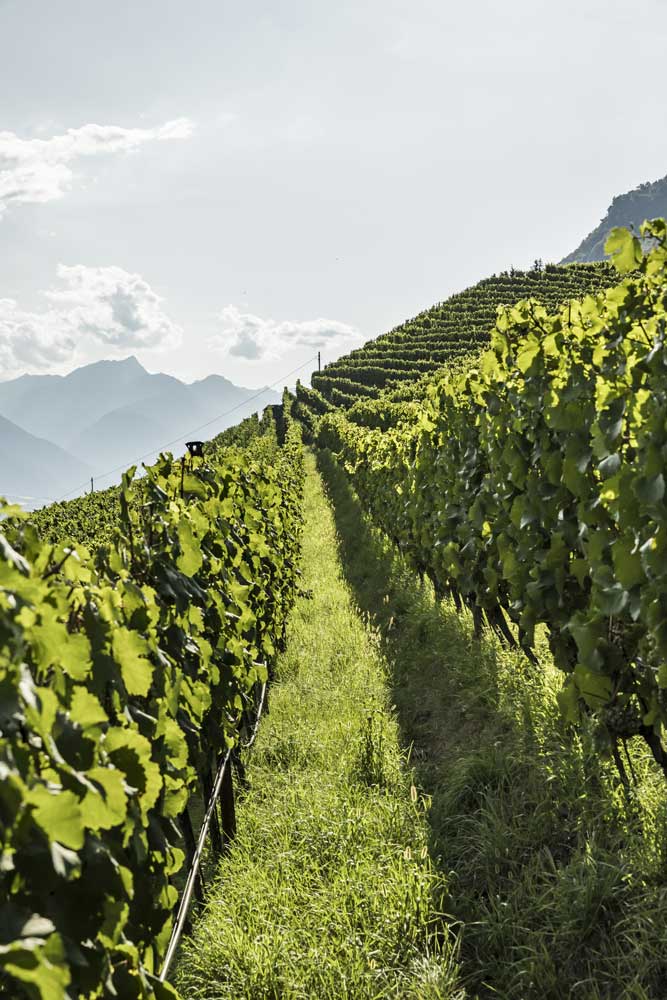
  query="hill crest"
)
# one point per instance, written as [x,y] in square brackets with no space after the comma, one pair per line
[647,201]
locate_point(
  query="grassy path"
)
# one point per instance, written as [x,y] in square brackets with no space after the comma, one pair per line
[329,890]
[558,882]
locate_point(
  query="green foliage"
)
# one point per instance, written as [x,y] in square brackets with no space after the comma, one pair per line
[122,674]
[448,331]
[553,873]
[92,519]
[312,399]
[532,485]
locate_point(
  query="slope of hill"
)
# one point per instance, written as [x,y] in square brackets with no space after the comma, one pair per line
[109,413]
[450,329]
[32,469]
[648,201]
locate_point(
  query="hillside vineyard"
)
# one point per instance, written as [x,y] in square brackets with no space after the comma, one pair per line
[452,328]
[494,522]
[530,485]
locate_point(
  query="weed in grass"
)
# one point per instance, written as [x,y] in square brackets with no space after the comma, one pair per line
[371,763]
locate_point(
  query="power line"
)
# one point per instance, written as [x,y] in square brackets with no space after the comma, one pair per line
[194,430]
[21,496]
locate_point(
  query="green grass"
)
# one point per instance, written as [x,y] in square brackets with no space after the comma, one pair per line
[553,878]
[329,890]
[557,878]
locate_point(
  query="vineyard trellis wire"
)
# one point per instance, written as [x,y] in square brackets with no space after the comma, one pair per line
[224,766]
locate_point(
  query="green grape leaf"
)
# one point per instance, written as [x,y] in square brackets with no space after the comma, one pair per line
[650,489]
[58,813]
[106,806]
[190,559]
[194,487]
[131,652]
[527,355]
[85,709]
[27,962]
[624,249]
[627,563]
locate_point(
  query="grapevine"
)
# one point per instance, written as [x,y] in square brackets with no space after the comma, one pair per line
[124,673]
[530,485]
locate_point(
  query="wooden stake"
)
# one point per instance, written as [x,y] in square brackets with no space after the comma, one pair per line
[227,807]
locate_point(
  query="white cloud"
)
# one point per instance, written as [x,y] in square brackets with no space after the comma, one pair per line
[31,341]
[96,306]
[247,336]
[113,307]
[39,170]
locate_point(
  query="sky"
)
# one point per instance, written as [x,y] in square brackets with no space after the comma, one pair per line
[224,187]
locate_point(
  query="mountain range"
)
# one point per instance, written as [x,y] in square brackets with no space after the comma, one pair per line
[58,431]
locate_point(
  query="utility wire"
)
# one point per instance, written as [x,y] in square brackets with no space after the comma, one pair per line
[21,496]
[194,430]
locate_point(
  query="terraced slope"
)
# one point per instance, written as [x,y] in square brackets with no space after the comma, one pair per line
[448,330]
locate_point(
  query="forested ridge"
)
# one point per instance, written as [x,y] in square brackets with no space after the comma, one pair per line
[646,201]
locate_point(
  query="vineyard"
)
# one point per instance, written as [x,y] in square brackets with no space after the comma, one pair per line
[458,594]
[92,520]
[450,329]
[126,673]
[531,488]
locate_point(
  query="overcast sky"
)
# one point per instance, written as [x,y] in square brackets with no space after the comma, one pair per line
[226,187]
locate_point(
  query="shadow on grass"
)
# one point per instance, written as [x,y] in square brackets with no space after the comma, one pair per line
[555,879]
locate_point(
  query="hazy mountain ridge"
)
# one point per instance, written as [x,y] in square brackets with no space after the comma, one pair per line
[106,415]
[648,201]
[168,414]
[33,469]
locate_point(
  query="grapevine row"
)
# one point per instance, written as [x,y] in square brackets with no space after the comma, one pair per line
[531,487]
[124,675]
[92,519]
[450,329]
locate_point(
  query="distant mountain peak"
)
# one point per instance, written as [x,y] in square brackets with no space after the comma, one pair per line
[105,415]
[211,379]
[131,363]
[647,201]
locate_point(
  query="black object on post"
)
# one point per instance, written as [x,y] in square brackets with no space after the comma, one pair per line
[196,448]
